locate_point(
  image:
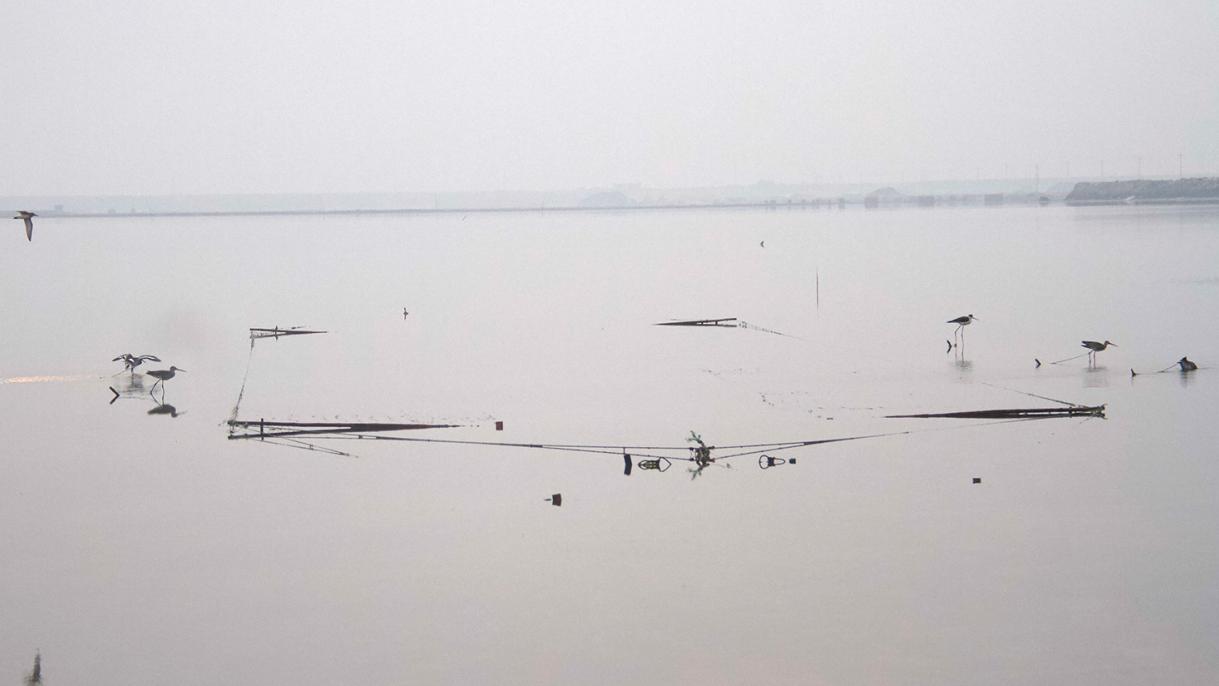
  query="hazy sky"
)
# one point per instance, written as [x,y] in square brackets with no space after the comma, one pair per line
[223,96]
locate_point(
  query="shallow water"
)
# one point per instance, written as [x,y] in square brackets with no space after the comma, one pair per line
[150,548]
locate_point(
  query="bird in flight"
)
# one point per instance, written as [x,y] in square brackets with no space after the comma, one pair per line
[130,362]
[28,217]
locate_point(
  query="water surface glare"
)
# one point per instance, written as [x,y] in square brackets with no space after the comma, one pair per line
[141,545]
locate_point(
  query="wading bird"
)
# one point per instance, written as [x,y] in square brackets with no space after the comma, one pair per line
[163,375]
[961,323]
[28,217]
[130,362]
[1094,347]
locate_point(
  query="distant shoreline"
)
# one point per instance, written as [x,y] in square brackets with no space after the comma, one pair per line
[1192,191]
[808,205]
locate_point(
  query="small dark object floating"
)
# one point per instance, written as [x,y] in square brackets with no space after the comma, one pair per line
[977,479]
[499,426]
[556,500]
[1039,363]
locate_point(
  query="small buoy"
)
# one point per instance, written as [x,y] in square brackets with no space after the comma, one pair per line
[556,500]
[977,479]
[626,459]
[766,461]
[499,426]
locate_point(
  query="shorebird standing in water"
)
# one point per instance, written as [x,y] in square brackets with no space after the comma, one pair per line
[161,376]
[961,323]
[28,217]
[1094,347]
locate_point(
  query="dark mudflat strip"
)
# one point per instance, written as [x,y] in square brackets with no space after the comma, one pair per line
[272,429]
[726,321]
[1021,413]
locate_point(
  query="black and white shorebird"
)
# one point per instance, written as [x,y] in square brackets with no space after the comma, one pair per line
[961,323]
[1094,347]
[130,362]
[28,217]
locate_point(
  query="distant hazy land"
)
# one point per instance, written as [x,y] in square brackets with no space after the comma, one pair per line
[636,196]
[1197,190]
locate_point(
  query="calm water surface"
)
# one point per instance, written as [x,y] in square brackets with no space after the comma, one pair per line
[144,548]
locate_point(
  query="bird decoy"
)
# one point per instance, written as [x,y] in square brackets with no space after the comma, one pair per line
[28,217]
[961,323]
[163,375]
[1094,347]
[1186,364]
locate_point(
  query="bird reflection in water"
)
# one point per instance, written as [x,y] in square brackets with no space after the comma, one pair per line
[166,408]
[128,387]
[132,388]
